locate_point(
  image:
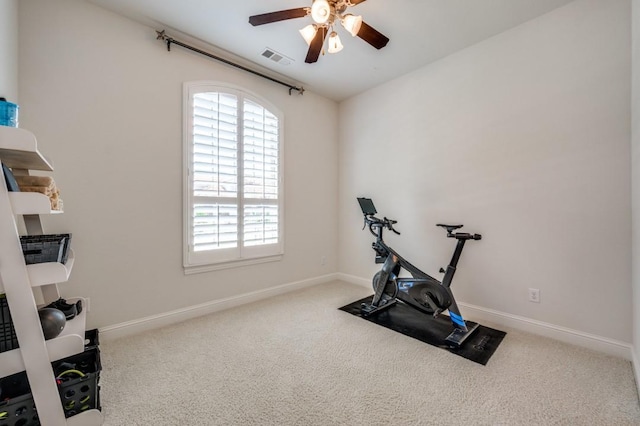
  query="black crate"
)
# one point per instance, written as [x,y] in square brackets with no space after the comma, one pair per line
[16,402]
[45,248]
[19,411]
[79,390]
[8,338]
[91,339]
[78,379]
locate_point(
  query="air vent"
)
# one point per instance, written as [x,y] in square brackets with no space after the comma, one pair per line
[276,57]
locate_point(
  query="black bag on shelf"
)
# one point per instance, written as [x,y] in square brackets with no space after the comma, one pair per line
[45,248]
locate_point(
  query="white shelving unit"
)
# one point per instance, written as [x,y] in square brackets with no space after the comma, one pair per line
[18,150]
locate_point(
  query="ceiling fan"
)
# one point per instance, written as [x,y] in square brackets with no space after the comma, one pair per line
[325,13]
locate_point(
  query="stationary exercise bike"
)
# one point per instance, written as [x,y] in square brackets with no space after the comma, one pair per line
[421,291]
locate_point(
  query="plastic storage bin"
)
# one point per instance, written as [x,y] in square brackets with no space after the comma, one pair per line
[8,114]
[79,391]
[78,378]
[91,339]
[8,338]
[16,402]
[45,248]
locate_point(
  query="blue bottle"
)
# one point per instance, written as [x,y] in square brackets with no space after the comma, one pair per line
[8,113]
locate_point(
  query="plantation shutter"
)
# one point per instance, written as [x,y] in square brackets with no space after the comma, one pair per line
[215,171]
[260,152]
[235,204]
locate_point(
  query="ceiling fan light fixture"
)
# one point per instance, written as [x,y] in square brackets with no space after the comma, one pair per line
[320,11]
[352,23]
[308,33]
[335,45]
[320,35]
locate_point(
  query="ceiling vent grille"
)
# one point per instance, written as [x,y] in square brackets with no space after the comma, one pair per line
[276,57]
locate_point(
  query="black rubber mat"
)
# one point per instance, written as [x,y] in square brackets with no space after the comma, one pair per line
[479,347]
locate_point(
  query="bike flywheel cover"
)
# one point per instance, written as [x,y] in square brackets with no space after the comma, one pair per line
[434,291]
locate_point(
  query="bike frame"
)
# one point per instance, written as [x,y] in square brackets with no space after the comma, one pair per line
[393,263]
[390,287]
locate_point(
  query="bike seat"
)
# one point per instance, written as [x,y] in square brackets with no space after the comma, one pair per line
[450,228]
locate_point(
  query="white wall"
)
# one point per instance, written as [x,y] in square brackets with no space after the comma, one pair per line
[635,184]
[9,49]
[523,138]
[104,99]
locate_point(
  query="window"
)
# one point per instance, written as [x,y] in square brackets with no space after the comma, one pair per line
[233,178]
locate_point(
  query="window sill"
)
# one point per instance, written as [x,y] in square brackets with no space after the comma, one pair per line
[198,269]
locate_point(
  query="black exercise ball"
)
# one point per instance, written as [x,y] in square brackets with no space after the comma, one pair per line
[52,321]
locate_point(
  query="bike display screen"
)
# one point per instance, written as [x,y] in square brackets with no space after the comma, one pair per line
[366,204]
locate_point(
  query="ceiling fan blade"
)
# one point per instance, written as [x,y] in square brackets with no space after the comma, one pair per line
[355,2]
[281,15]
[372,36]
[315,47]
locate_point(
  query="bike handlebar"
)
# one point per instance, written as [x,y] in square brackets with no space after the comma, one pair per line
[375,222]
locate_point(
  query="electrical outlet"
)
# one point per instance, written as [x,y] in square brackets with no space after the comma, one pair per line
[534,295]
[323,260]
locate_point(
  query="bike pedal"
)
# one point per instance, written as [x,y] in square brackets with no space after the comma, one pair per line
[367,309]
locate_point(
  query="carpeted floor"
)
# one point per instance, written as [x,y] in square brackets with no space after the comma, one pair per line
[296,359]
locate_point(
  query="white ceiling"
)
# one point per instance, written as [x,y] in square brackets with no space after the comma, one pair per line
[421,32]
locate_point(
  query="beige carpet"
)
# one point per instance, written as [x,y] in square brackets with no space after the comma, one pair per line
[297,360]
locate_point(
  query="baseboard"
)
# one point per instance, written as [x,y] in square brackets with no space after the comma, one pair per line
[567,335]
[636,369]
[179,315]
[498,319]
[355,280]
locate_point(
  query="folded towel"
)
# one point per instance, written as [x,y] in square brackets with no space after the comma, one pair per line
[46,181]
[41,189]
[43,185]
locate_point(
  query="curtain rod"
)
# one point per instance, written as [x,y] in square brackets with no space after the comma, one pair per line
[162,36]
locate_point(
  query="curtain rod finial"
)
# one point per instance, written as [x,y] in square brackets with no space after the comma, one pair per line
[299,89]
[162,36]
